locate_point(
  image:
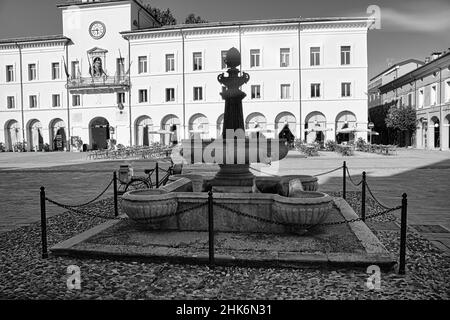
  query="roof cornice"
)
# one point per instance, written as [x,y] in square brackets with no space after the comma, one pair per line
[429,68]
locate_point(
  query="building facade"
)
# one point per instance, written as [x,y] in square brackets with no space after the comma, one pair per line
[115,73]
[427,89]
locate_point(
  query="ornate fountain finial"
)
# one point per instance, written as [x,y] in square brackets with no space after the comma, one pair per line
[233,81]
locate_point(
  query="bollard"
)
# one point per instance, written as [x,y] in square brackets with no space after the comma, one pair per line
[211,228]
[344,177]
[363,197]
[116,207]
[157,174]
[43,225]
[403,224]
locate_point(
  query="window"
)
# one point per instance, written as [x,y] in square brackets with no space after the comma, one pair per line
[223,55]
[421,98]
[170,94]
[284,57]
[433,95]
[31,72]
[198,93]
[447,89]
[142,95]
[142,61]
[256,92]
[255,58]
[170,62]
[33,101]
[76,100]
[120,97]
[56,101]
[55,70]
[9,73]
[345,55]
[10,103]
[75,67]
[410,103]
[315,90]
[345,89]
[314,56]
[197,58]
[285,91]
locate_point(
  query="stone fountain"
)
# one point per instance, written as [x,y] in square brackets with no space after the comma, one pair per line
[292,199]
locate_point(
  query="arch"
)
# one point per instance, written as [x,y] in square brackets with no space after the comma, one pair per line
[436,132]
[199,126]
[35,137]
[255,118]
[345,119]
[12,134]
[143,128]
[57,134]
[167,123]
[99,133]
[219,125]
[424,132]
[315,126]
[283,118]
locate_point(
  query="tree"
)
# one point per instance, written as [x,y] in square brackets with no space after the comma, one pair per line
[191,18]
[402,119]
[164,16]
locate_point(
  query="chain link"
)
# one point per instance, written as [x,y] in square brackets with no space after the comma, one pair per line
[351,180]
[91,201]
[375,199]
[323,173]
[303,225]
[71,209]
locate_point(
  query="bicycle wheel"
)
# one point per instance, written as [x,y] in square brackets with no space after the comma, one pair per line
[137,184]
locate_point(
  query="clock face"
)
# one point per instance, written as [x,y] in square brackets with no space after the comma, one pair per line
[97,29]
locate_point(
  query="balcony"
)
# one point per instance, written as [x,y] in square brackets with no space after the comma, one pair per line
[98,84]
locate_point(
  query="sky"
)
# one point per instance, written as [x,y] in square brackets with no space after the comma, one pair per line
[409,28]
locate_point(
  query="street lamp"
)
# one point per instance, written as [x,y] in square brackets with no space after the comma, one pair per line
[370,125]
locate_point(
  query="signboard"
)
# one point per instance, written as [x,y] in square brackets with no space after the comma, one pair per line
[59,142]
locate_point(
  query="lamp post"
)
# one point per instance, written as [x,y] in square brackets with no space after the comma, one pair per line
[370,125]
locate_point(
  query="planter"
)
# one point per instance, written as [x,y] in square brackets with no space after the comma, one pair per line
[144,206]
[308,209]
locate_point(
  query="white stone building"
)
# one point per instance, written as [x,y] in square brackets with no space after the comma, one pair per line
[130,79]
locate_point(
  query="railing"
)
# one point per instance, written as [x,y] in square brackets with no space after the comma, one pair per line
[211,204]
[98,82]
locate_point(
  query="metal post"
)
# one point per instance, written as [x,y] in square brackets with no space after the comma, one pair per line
[116,208]
[157,175]
[344,178]
[211,228]
[403,223]
[43,225]
[363,197]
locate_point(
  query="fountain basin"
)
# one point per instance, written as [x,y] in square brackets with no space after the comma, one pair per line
[144,205]
[305,208]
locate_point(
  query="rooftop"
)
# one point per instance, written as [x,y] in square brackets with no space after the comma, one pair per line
[398,64]
[34,39]
[249,22]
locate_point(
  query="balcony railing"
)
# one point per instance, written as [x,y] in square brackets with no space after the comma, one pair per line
[104,82]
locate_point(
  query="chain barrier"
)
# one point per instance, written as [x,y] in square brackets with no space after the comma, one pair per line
[375,199]
[351,180]
[91,201]
[323,173]
[156,219]
[260,219]
[177,213]
[316,175]
[72,209]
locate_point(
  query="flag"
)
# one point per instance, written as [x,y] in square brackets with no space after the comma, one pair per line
[129,67]
[90,67]
[122,65]
[78,71]
[65,68]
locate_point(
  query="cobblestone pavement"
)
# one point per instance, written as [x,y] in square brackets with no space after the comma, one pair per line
[70,178]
